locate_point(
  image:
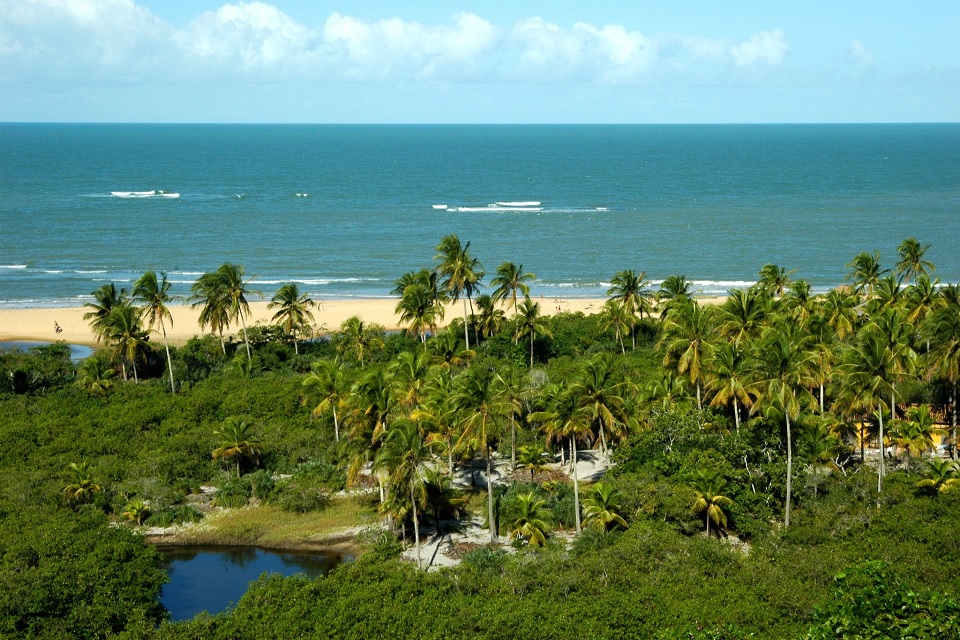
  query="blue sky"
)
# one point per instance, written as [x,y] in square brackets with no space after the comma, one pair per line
[606,61]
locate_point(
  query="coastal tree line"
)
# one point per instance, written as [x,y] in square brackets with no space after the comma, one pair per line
[706,409]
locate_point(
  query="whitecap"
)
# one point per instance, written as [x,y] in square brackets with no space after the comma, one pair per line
[521,203]
[439,206]
[13,266]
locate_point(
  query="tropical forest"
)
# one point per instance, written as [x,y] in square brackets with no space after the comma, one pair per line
[779,463]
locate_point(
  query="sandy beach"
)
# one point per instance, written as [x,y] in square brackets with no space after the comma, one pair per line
[38,324]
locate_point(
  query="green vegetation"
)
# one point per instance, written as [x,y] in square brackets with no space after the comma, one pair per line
[747,495]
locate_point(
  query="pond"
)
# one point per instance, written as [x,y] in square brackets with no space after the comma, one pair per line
[213,579]
[78,352]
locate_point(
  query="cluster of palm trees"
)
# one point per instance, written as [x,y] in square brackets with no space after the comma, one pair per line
[124,321]
[777,353]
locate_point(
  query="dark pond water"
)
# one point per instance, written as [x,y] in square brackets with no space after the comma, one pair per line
[78,352]
[214,578]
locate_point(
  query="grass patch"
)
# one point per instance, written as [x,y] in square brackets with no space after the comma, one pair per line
[269,526]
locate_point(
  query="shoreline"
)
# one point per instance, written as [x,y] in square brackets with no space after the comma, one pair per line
[37,324]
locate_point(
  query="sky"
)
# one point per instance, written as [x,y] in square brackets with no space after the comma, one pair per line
[465,61]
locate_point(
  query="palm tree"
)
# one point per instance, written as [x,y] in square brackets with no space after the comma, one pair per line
[234,287]
[481,402]
[490,319]
[531,323]
[782,378]
[128,337]
[527,517]
[293,311]
[710,501]
[596,389]
[943,333]
[95,376]
[461,274]
[896,335]
[409,372]
[418,308]
[839,308]
[914,435]
[446,352]
[154,295]
[942,476]
[744,314]
[324,387]
[868,372]
[402,456]
[912,262]
[236,441]
[728,377]
[614,316]
[208,293]
[510,278]
[359,339]
[563,417]
[865,272]
[684,341]
[774,280]
[82,487]
[136,511]
[106,299]
[673,290]
[630,288]
[601,508]
[532,457]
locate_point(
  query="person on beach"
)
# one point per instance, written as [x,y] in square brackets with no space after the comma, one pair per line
[56,327]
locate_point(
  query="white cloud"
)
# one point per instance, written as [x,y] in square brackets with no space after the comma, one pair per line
[859,54]
[766,45]
[88,40]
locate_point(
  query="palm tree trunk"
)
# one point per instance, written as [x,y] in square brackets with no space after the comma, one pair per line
[699,403]
[166,345]
[466,324]
[246,338]
[821,398]
[953,419]
[513,443]
[336,425]
[880,473]
[136,380]
[736,413]
[576,484]
[493,525]
[416,524]
[531,347]
[707,518]
[786,517]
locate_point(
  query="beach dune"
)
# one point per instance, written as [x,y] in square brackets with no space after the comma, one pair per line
[39,324]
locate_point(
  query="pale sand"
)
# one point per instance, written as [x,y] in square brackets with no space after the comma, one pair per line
[38,324]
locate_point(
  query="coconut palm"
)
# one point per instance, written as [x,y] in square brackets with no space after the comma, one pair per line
[774,280]
[533,458]
[800,300]
[136,511]
[402,456]
[531,323]
[783,375]
[614,316]
[630,288]
[526,517]
[128,337]
[445,351]
[82,487]
[684,342]
[823,341]
[439,409]
[237,441]
[293,311]
[868,371]
[490,319]
[95,376]
[601,508]
[896,335]
[942,330]
[912,262]
[839,309]
[461,274]
[666,391]
[358,339]
[509,280]
[728,377]
[234,287]
[710,501]
[673,290]
[418,308]
[865,272]
[154,295]
[480,401]
[744,314]
[597,389]
[409,373]
[324,387]
[208,293]
[942,476]
[106,299]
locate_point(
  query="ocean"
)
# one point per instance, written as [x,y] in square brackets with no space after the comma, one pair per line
[345,210]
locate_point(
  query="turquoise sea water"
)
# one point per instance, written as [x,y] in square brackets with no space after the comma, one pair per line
[345,210]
